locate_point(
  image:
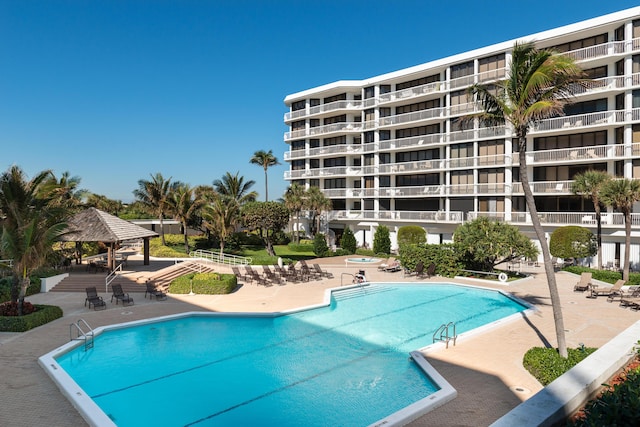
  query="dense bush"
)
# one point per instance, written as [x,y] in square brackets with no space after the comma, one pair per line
[365,252]
[34,287]
[546,364]
[204,283]
[348,241]
[616,406]
[444,256]
[320,247]
[573,241]
[604,275]
[411,235]
[381,240]
[42,314]
[280,238]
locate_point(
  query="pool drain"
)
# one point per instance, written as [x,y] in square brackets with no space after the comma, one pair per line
[126,313]
[520,389]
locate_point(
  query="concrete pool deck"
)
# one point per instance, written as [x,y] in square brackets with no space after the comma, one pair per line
[485,369]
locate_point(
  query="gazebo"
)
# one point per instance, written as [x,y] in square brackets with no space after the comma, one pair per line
[94,225]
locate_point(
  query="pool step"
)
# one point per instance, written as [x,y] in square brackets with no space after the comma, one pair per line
[359,291]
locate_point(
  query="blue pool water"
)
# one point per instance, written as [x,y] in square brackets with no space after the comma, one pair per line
[345,364]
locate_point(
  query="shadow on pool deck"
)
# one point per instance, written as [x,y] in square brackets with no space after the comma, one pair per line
[485,369]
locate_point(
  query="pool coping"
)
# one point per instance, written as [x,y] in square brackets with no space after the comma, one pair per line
[95,416]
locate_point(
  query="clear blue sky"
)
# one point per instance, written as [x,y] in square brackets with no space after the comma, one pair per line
[115,90]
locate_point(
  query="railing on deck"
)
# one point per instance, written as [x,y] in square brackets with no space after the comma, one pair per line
[220,257]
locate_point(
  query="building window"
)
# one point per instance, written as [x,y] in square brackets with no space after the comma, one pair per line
[415,156]
[314,123]
[335,119]
[297,165]
[369,115]
[384,135]
[298,105]
[417,131]
[368,159]
[462,70]
[596,73]
[314,183]
[492,67]
[314,102]
[334,98]
[618,34]
[586,107]
[385,112]
[385,181]
[384,158]
[588,139]
[298,125]
[335,183]
[369,92]
[415,180]
[369,182]
[461,151]
[369,137]
[385,88]
[298,145]
[335,162]
[419,106]
[418,82]
[336,140]
[582,43]
[314,143]
[314,163]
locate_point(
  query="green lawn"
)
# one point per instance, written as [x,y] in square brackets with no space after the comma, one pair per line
[260,257]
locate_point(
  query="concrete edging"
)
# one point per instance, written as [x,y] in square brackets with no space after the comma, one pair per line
[573,389]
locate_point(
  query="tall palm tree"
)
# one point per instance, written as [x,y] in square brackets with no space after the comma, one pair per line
[621,194]
[317,203]
[30,225]
[221,217]
[154,194]
[538,86]
[265,159]
[234,187]
[184,207]
[294,199]
[588,185]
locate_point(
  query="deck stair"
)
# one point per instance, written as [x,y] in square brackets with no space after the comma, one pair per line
[162,278]
[78,281]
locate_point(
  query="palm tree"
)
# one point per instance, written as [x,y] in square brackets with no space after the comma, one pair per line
[539,84]
[234,187]
[30,226]
[588,185]
[221,217]
[184,207]
[154,194]
[294,199]
[65,191]
[264,159]
[621,194]
[316,202]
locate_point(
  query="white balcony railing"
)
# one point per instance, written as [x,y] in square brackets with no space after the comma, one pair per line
[586,219]
[421,216]
[432,113]
[324,108]
[411,92]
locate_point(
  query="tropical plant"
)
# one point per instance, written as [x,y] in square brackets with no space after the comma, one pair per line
[98,201]
[294,200]
[234,187]
[183,205]
[320,247]
[317,203]
[621,194]
[268,217]
[31,223]
[486,243]
[64,192]
[266,159]
[221,217]
[381,240]
[348,241]
[540,83]
[588,185]
[572,241]
[155,194]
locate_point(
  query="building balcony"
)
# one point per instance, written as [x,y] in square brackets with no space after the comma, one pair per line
[604,50]
[599,119]
[415,116]
[410,93]
[453,217]
[318,110]
[327,151]
[584,219]
[326,130]
[413,142]
[422,165]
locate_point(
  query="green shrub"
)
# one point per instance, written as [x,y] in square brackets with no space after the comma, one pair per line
[364,252]
[604,275]
[411,235]
[381,240]
[348,241]
[43,314]
[306,242]
[320,247]
[165,252]
[204,284]
[32,289]
[341,252]
[572,241]
[617,406]
[545,364]
[444,256]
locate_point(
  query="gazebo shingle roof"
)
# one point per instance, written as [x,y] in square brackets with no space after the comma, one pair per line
[94,225]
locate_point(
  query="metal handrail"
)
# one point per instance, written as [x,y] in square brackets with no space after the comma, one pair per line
[81,334]
[221,257]
[443,332]
[111,277]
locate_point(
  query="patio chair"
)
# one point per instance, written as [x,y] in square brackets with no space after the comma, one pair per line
[595,291]
[254,276]
[322,273]
[270,275]
[94,299]
[431,270]
[630,294]
[393,267]
[120,295]
[306,271]
[419,267]
[239,274]
[584,283]
[153,292]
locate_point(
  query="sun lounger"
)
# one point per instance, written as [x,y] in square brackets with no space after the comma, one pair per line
[153,292]
[94,299]
[387,264]
[595,291]
[393,267]
[120,295]
[322,273]
[584,283]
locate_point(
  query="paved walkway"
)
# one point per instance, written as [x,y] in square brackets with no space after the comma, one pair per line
[486,369]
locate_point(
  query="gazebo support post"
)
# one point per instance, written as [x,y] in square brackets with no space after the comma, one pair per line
[146,250]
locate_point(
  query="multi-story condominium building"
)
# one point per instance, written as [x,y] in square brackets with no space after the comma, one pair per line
[394,150]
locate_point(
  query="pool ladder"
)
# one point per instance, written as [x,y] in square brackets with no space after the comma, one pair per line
[81,331]
[443,333]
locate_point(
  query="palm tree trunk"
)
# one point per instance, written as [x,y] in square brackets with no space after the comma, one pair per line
[162,231]
[599,234]
[627,244]
[266,186]
[546,256]
[186,239]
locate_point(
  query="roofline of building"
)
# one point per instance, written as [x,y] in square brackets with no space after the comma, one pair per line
[460,57]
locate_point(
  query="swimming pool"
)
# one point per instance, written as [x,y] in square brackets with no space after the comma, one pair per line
[343,364]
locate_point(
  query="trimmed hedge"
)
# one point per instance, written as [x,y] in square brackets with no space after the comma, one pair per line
[204,284]
[604,275]
[306,247]
[43,314]
[546,364]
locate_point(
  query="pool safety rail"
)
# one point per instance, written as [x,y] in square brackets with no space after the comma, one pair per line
[446,332]
[81,331]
